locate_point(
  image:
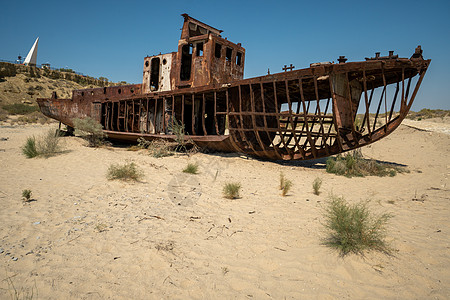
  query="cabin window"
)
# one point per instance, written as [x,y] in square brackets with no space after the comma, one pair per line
[199,48]
[218,51]
[104,90]
[239,58]
[119,91]
[229,53]
[186,61]
[154,74]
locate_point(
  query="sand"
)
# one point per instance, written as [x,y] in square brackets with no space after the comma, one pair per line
[173,235]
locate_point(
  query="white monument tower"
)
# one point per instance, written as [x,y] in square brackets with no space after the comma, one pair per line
[31,58]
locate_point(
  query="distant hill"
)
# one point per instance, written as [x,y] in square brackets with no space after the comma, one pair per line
[21,85]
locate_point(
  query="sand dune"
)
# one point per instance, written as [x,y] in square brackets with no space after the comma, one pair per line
[173,235]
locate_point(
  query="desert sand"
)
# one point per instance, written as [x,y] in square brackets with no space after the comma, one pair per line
[173,235]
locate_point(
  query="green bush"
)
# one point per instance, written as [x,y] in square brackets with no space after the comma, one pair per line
[90,130]
[353,164]
[29,149]
[191,168]
[231,190]
[128,171]
[20,108]
[353,228]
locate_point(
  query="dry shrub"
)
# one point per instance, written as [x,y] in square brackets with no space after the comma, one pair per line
[128,171]
[354,164]
[353,228]
[317,183]
[90,130]
[161,148]
[46,145]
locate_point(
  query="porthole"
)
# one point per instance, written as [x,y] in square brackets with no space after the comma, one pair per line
[164,61]
[146,64]
[119,91]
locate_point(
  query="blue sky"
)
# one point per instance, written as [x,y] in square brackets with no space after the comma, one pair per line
[111,38]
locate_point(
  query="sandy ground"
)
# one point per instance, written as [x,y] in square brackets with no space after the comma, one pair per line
[173,235]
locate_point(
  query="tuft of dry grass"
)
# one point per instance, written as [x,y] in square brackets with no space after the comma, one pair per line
[317,183]
[26,195]
[160,148]
[285,185]
[128,171]
[191,168]
[231,190]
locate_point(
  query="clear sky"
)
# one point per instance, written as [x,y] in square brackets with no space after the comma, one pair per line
[111,38]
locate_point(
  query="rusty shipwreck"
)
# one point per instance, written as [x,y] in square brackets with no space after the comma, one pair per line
[309,113]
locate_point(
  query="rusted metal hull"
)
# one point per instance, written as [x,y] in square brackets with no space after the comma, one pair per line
[297,115]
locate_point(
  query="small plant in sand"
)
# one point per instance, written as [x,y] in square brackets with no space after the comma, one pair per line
[183,144]
[285,184]
[49,144]
[46,145]
[178,131]
[29,149]
[191,168]
[160,148]
[90,130]
[353,164]
[100,227]
[231,190]
[26,195]
[128,171]
[353,228]
[317,183]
